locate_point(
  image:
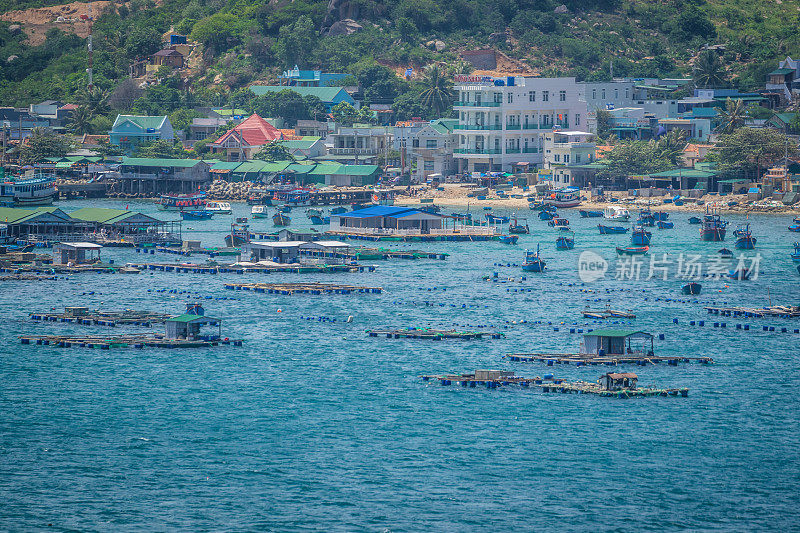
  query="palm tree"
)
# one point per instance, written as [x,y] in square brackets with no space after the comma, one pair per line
[733,116]
[96,101]
[708,71]
[80,120]
[671,145]
[438,93]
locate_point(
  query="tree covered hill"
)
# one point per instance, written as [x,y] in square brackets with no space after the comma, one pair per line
[243,41]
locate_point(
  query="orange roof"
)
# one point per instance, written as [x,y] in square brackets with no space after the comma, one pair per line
[254,131]
[600,149]
[290,135]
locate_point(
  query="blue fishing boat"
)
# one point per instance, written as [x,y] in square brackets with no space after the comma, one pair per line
[23,192]
[744,238]
[286,209]
[590,214]
[660,215]
[315,220]
[795,227]
[326,220]
[565,243]
[547,215]
[533,263]
[724,252]
[19,247]
[796,253]
[646,218]
[494,219]
[196,215]
[640,237]
[487,208]
[313,213]
[611,230]
[279,219]
[240,234]
[558,222]
[509,239]
[740,274]
[462,217]
[713,227]
[519,228]
[663,224]
[691,288]
[694,220]
[632,250]
[338,210]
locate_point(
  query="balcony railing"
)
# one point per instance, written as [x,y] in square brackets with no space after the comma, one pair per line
[476,151]
[530,150]
[513,127]
[478,104]
[512,150]
[478,127]
[355,151]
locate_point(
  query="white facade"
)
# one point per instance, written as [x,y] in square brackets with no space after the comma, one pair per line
[430,147]
[625,93]
[502,121]
[566,149]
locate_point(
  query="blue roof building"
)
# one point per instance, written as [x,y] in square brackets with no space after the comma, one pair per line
[387,220]
[310,78]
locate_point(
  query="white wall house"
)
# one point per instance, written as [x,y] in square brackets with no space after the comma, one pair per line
[430,147]
[566,149]
[628,93]
[502,121]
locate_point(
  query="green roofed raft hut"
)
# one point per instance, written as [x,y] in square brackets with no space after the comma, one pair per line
[609,347]
[432,334]
[611,385]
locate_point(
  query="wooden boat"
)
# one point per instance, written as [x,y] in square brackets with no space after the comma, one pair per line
[691,288]
[611,230]
[223,208]
[175,202]
[724,252]
[516,227]
[316,221]
[694,220]
[547,215]
[640,237]
[646,218]
[660,215]
[494,219]
[740,274]
[796,253]
[795,228]
[744,238]
[633,250]
[558,222]
[314,213]
[240,234]
[568,197]
[663,224]
[616,213]
[19,247]
[509,239]
[565,243]
[533,263]
[590,214]
[259,211]
[286,209]
[196,215]
[461,217]
[279,219]
[712,228]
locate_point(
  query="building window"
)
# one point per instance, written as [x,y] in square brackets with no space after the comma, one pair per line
[577,158]
[545,96]
[627,93]
[562,96]
[427,165]
[510,98]
[415,143]
[430,143]
[594,94]
[616,94]
[604,94]
[577,119]
[532,96]
[566,158]
[498,98]
[557,158]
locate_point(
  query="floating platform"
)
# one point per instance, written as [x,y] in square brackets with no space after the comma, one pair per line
[433,334]
[27,277]
[106,342]
[497,379]
[775,311]
[302,288]
[421,237]
[177,250]
[375,254]
[607,313]
[187,268]
[610,360]
[88,317]
[61,269]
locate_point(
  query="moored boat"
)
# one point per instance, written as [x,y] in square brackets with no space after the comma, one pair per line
[611,230]
[558,222]
[519,228]
[547,215]
[616,213]
[633,250]
[509,239]
[565,243]
[795,227]
[494,219]
[744,238]
[240,234]
[691,288]
[724,252]
[315,220]
[196,215]
[173,202]
[660,215]
[259,211]
[280,219]
[222,208]
[796,254]
[694,220]
[663,224]
[22,192]
[532,262]
[313,213]
[338,210]
[713,227]
[567,197]
[590,214]
[640,237]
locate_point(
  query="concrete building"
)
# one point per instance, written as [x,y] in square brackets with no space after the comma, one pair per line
[168,57]
[429,146]
[244,140]
[310,78]
[565,152]
[330,96]
[130,131]
[359,144]
[502,120]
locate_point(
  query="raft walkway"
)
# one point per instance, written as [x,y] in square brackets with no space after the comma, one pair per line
[779,311]
[420,237]
[105,318]
[432,334]
[106,342]
[302,288]
[587,359]
[186,268]
[374,254]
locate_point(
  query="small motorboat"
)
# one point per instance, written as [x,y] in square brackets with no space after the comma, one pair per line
[744,238]
[660,215]
[338,210]
[646,218]
[286,209]
[611,230]
[724,252]
[314,213]
[663,224]
[279,219]
[740,274]
[19,247]
[259,211]
[713,227]
[619,214]
[509,239]
[547,215]
[633,250]
[796,253]
[519,228]
[461,217]
[691,288]
[585,213]
[640,237]
[565,243]
[197,215]
[694,220]
[533,263]
[487,208]
[795,227]
[558,222]
[494,219]
[222,208]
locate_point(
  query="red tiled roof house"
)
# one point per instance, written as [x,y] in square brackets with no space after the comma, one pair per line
[241,142]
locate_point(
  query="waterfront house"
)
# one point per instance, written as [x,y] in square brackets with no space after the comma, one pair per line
[330,96]
[187,326]
[244,140]
[383,219]
[274,251]
[617,342]
[306,148]
[428,147]
[45,221]
[130,131]
[154,176]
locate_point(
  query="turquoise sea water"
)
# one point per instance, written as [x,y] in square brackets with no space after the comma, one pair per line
[312,425]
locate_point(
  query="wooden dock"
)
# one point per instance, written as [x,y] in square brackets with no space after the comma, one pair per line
[775,311]
[550,384]
[128,317]
[587,359]
[27,277]
[106,342]
[303,288]
[213,268]
[433,334]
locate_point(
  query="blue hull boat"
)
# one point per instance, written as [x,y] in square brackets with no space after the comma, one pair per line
[590,214]
[611,230]
[640,237]
[660,216]
[691,289]
[565,243]
[316,221]
[196,215]
[796,253]
[533,263]
[509,239]
[662,224]
[694,220]
[795,228]
[547,215]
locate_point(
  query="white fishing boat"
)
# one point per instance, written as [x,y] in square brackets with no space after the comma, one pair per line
[222,208]
[39,190]
[620,214]
[569,197]
[259,211]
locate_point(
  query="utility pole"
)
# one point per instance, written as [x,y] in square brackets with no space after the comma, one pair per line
[90,85]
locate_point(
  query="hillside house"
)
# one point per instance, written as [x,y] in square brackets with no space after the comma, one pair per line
[130,131]
[310,78]
[244,140]
[330,96]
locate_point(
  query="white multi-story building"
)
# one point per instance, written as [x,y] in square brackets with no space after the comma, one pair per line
[429,145]
[565,152]
[502,121]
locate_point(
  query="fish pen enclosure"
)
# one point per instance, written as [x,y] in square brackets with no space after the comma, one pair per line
[303,288]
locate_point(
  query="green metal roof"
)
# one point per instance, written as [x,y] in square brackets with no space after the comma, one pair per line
[275,166]
[299,144]
[324,169]
[226,165]
[102,215]
[154,162]
[191,318]
[358,170]
[326,94]
[16,215]
[683,173]
[143,121]
[249,166]
[615,333]
[781,71]
[229,112]
[786,118]
[300,169]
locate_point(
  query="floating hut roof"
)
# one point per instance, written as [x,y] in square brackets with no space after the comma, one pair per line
[186,318]
[628,375]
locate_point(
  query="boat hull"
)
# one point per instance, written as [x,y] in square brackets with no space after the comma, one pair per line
[612,230]
[745,243]
[712,234]
[691,289]
[637,250]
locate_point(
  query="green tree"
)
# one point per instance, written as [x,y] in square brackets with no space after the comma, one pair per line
[634,158]
[603,118]
[438,93]
[670,147]
[747,151]
[708,71]
[732,117]
[162,149]
[407,30]
[288,105]
[41,144]
[95,101]
[220,31]
[182,118]
[347,115]
[142,41]
[296,42]
[274,151]
[80,121]
[379,83]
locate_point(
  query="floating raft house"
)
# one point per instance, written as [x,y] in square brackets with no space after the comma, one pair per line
[776,311]
[302,288]
[610,385]
[85,316]
[432,334]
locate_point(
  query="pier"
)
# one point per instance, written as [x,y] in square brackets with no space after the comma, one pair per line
[187,268]
[432,334]
[775,311]
[375,254]
[302,288]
